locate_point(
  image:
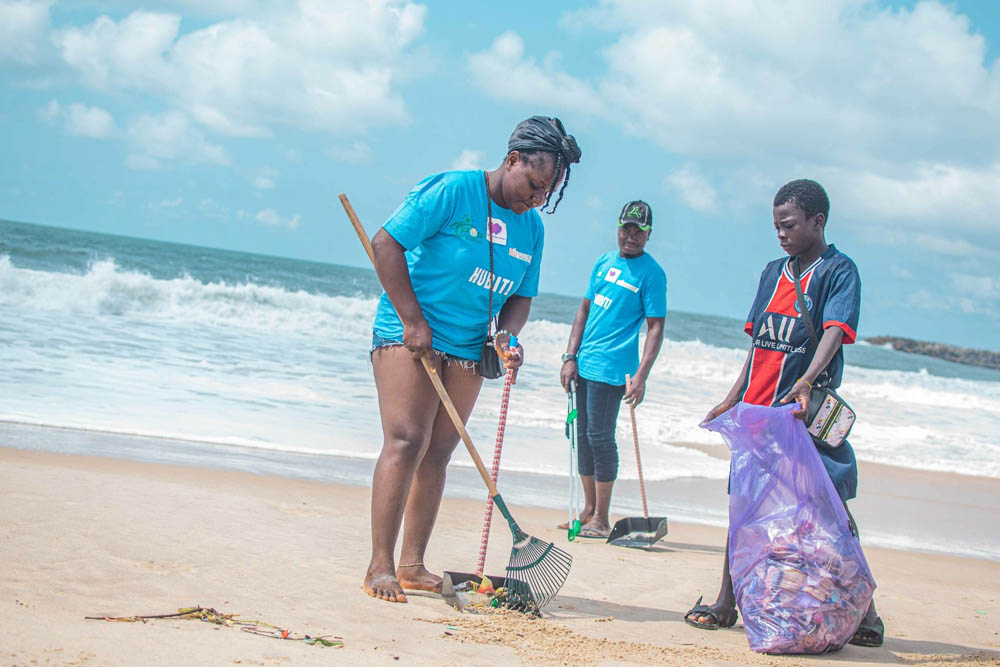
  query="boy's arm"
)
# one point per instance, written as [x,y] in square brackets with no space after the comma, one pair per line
[831,341]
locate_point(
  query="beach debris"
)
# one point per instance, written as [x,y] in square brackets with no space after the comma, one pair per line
[209,615]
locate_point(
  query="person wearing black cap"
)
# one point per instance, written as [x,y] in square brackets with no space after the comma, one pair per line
[463,248]
[626,288]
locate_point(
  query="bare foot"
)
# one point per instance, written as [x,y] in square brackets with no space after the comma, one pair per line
[381,583]
[418,578]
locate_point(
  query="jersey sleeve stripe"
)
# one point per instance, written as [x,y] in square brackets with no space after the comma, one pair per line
[850,335]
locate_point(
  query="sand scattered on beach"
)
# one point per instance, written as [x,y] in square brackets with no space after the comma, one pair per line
[541,641]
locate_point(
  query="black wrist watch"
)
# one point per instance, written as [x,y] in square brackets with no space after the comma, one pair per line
[568,357]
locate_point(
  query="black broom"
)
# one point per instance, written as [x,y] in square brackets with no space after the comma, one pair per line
[537,569]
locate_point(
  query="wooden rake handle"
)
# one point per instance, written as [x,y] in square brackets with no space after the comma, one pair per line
[638,460]
[432,373]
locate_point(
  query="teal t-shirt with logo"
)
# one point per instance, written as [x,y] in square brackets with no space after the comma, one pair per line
[442,225]
[623,293]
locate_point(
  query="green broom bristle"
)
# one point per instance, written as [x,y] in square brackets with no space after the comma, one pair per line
[536,571]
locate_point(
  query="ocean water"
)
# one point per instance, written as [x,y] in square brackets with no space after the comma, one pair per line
[239,352]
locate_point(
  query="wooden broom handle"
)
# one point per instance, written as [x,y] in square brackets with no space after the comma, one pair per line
[638,461]
[456,419]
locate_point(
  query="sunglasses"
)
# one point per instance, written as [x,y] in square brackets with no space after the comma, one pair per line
[644,228]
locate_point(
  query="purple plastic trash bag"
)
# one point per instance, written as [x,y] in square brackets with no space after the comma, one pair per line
[801,580]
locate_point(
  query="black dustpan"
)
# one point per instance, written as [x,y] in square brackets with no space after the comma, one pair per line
[638,531]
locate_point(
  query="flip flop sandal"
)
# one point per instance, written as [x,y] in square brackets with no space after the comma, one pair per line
[700,609]
[869,634]
[593,534]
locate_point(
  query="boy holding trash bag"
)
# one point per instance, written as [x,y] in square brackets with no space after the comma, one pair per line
[782,366]
[626,287]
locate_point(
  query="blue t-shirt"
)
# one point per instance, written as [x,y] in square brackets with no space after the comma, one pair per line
[782,349]
[623,293]
[442,225]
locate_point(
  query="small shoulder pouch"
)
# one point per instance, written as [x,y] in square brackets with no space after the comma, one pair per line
[829,419]
[489,364]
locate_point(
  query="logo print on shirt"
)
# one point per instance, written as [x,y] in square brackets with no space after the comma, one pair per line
[464,229]
[784,331]
[809,303]
[602,301]
[612,275]
[516,254]
[499,231]
[777,338]
[500,285]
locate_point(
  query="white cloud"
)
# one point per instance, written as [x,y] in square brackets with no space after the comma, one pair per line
[468,159]
[357,153]
[873,84]
[50,112]
[167,203]
[141,162]
[897,106]
[23,29]
[79,120]
[265,179]
[966,196]
[693,189]
[271,218]
[980,287]
[313,65]
[93,122]
[170,136]
[525,80]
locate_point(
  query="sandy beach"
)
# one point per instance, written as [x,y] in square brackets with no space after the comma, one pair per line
[89,536]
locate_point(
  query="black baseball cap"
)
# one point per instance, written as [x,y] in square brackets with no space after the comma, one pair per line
[636,213]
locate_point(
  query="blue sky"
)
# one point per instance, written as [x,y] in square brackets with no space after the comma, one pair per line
[238,125]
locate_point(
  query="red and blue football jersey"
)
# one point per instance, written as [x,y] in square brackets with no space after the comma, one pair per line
[781,346]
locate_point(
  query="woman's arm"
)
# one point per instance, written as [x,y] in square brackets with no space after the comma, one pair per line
[828,346]
[512,318]
[569,368]
[733,397]
[390,266]
[636,391]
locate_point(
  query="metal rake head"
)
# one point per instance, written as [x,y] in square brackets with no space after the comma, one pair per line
[535,573]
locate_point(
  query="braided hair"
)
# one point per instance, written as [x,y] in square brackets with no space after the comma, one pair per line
[533,158]
[542,134]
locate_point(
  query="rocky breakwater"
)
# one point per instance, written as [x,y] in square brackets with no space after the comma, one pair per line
[961,355]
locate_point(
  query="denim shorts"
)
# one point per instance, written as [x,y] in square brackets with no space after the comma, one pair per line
[379,341]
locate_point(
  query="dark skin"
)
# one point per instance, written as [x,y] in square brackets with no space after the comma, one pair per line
[803,237]
[594,518]
[419,435]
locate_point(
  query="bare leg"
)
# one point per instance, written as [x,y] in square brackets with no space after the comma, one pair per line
[724,608]
[407,405]
[871,616]
[589,498]
[599,522]
[428,485]
[589,501]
